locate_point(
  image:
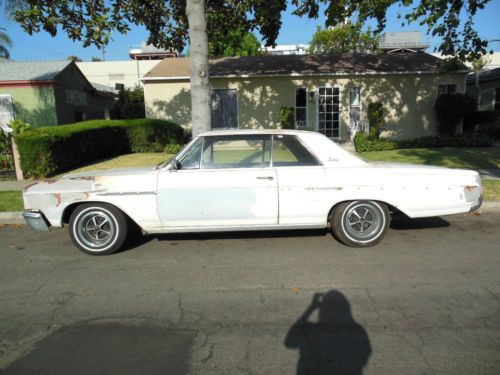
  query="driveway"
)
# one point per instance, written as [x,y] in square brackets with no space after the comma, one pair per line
[426,300]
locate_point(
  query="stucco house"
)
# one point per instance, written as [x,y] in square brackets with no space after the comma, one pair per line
[329,94]
[49,93]
[486,89]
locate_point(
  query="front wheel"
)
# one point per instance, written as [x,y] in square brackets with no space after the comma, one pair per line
[98,228]
[360,223]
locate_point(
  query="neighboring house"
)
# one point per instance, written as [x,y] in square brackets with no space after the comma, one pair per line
[285,49]
[486,89]
[49,93]
[329,94]
[113,75]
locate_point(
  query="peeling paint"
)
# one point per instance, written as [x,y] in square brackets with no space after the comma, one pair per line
[58,199]
[470,188]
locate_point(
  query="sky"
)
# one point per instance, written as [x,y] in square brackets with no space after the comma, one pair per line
[294,30]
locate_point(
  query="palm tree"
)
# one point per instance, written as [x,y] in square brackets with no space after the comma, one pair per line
[5,44]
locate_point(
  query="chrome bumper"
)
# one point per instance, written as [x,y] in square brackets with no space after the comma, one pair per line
[36,221]
[477,205]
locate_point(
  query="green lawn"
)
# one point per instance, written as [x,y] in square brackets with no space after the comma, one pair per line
[491,190]
[125,161]
[487,157]
[11,201]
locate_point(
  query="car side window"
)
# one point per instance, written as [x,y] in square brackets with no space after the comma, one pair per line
[191,160]
[288,151]
[248,151]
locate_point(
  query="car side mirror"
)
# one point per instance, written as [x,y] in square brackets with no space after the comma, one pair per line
[178,165]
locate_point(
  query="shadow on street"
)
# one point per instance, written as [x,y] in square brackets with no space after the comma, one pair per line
[107,349]
[335,344]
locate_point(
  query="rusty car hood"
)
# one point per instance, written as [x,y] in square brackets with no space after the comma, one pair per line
[112,172]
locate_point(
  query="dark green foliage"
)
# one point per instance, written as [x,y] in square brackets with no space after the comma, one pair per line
[450,21]
[49,150]
[480,118]
[345,38]
[173,148]
[364,143]
[376,118]
[237,42]
[130,104]
[287,118]
[450,111]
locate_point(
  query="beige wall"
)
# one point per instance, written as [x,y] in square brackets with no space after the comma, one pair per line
[109,73]
[408,100]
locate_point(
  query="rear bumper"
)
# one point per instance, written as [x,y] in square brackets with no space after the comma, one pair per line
[477,205]
[36,221]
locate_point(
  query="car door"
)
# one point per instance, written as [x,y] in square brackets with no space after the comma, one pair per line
[301,178]
[221,181]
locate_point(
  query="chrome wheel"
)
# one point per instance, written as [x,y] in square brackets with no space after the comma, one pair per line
[363,221]
[95,229]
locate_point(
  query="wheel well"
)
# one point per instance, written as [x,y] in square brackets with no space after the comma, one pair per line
[392,210]
[72,207]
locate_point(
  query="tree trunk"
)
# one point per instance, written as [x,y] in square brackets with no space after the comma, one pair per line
[198,66]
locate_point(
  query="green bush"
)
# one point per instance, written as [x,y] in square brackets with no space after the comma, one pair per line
[173,148]
[375,118]
[365,143]
[287,118]
[130,104]
[450,111]
[48,150]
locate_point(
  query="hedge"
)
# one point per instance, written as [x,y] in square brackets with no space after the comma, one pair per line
[364,143]
[48,150]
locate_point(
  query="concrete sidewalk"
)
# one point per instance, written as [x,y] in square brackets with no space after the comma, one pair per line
[14,185]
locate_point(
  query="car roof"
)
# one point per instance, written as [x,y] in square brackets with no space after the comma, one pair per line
[254,132]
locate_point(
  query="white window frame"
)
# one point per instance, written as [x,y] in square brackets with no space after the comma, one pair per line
[8,113]
[496,102]
[295,109]
[340,109]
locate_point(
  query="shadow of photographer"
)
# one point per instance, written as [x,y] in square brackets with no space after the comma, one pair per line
[336,344]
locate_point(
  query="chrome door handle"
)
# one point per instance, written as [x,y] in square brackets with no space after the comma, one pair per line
[270,178]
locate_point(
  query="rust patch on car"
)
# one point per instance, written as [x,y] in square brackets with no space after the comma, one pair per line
[50,181]
[30,185]
[86,178]
[58,199]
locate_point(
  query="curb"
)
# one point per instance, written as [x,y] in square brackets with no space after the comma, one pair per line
[12,217]
[16,217]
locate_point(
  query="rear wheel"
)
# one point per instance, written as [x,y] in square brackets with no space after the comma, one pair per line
[98,228]
[360,223]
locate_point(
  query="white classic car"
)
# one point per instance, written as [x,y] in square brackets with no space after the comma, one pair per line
[249,180]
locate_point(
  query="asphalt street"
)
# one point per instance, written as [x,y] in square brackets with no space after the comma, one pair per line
[424,301]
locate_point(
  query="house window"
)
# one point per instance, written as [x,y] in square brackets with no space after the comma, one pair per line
[76,97]
[497,99]
[447,89]
[329,111]
[301,108]
[224,109]
[6,111]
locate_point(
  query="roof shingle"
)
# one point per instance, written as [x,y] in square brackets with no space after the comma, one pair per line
[31,70]
[306,65]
